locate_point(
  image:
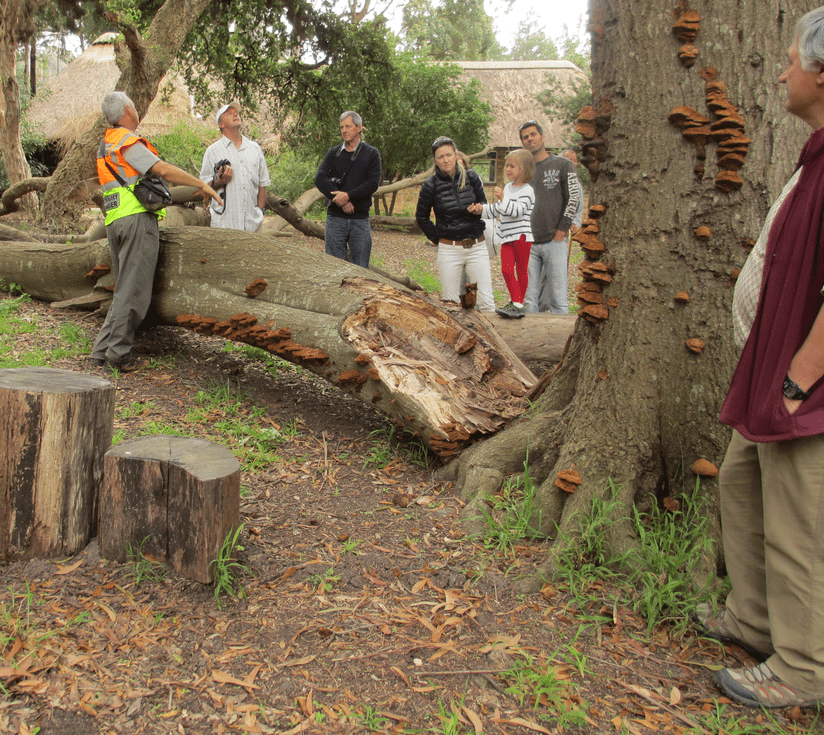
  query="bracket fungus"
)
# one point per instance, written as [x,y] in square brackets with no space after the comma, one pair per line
[704,468]
[255,288]
[728,181]
[98,272]
[696,345]
[688,54]
[568,480]
[682,297]
[687,25]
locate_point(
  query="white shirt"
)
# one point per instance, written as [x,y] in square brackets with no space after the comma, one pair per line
[240,195]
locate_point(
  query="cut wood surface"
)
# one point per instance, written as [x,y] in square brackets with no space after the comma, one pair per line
[55,426]
[170,498]
[358,330]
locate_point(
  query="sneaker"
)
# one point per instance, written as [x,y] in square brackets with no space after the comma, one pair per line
[510,311]
[760,687]
[714,627]
[129,365]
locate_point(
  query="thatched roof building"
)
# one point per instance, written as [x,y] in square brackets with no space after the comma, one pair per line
[70,103]
[511,88]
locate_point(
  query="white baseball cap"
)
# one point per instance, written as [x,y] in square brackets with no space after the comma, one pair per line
[233,105]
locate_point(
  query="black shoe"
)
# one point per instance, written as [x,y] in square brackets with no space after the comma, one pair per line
[97,361]
[129,365]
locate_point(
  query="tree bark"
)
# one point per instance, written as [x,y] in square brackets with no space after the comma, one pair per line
[144,61]
[55,426]
[16,26]
[631,403]
[174,499]
[441,372]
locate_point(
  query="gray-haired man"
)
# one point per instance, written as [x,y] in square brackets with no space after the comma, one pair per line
[132,230]
[348,176]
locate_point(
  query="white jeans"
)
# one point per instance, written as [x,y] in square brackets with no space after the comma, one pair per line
[452,259]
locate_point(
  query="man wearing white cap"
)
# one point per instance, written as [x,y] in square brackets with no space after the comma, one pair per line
[236,166]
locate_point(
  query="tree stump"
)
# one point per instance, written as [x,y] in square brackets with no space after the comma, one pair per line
[55,427]
[174,499]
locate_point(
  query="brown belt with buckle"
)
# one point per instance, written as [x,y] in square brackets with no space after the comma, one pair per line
[467,243]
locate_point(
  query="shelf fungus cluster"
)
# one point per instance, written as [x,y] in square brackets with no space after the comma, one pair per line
[595,274]
[244,328]
[592,125]
[728,128]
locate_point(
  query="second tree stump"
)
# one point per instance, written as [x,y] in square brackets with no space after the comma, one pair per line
[175,499]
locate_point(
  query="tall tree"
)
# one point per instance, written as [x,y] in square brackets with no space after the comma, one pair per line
[423,101]
[636,398]
[451,30]
[16,27]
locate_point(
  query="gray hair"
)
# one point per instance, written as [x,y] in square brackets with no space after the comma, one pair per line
[114,106]
[809,40]
[356,119]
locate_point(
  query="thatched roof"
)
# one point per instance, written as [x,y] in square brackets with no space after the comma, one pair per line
[511,87]
[69,105]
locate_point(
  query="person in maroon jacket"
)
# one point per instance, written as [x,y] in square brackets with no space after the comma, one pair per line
[772,478]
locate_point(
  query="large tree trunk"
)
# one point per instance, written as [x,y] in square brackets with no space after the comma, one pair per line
[144,61]
[632,403]
[16,25]
[443,373]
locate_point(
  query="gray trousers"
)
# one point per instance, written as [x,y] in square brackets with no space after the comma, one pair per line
[772,512]
[134,242]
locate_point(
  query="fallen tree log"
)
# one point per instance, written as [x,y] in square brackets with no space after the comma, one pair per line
[443,373]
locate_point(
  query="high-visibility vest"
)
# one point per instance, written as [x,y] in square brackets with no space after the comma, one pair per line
[118,200]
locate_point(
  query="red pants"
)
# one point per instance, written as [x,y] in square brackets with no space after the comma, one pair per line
[515,256]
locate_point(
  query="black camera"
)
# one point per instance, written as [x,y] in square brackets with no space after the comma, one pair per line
[220,165]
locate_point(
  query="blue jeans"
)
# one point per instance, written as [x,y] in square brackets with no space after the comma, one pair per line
[552,256]
[356,232]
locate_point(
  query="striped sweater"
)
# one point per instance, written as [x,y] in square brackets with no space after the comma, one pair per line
[512,214]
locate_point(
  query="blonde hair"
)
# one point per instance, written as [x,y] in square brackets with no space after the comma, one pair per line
[524,160]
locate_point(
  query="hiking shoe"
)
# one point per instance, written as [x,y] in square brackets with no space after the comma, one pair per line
[129,365]
[760,687]
[97,361]
[713,626]
[510,311]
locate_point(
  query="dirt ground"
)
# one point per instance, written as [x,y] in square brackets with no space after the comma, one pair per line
[365,609]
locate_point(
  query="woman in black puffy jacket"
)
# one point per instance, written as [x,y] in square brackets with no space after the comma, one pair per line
[457,233]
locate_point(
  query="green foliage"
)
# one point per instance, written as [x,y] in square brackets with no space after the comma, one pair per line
[673,545]
[326,581]
[293,172]
[661,578]
[226,567]
[184,146]
[143,567]
[532,43]
[451,30]
[419,270]
[386,446]
[537,684]
[512,515]
[371,720]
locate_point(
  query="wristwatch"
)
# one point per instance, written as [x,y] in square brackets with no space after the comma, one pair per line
[793,391]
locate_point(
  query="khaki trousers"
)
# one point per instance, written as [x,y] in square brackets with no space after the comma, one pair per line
[772,513]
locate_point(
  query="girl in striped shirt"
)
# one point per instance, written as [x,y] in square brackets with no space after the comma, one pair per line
[512,212]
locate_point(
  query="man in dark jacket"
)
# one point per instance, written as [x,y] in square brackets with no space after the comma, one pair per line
[349,175]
